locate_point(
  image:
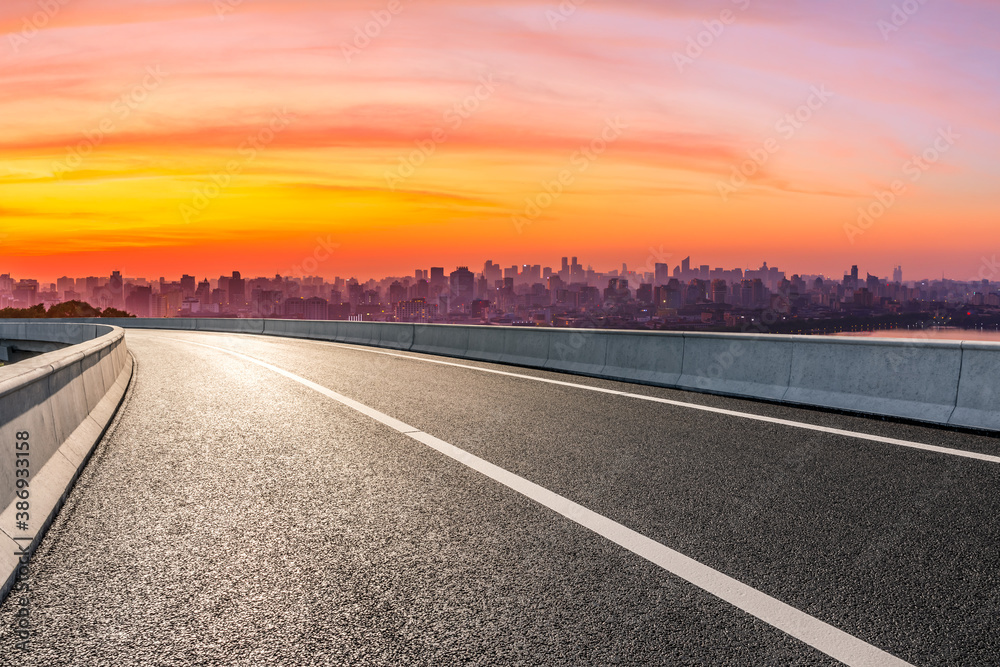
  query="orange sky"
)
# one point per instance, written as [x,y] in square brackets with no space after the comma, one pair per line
[192,136]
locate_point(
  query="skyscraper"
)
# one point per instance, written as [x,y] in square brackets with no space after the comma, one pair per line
[463,285]
[237,291]
[437,275]
[660,274]
[719,291]
[140,301]
[204,292]
[116,286]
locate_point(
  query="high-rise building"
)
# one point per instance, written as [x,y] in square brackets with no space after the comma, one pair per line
[397,292]
[295,308]
[316,308]
[420,290]
[897,275]
[660,274]
[25,293]
[759,292]
[204,292]
[492,272]
[237,291]
[140,302]
[355,293]
[437,275]
[463,285]
[719,291]
[116,287]
[65,284]
[267,303]
[414,310]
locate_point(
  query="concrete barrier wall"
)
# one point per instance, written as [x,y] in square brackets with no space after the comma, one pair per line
[941,382]
[647,357]
[485,343]
[742,365]
[395,336]
[312,330]
[581,352]
[63,401]
[978,403]
[445,339]
[913,380]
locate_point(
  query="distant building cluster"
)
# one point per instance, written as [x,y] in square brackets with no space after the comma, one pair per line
[570,295]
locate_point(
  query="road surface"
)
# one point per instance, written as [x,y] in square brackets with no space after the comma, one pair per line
[270,501]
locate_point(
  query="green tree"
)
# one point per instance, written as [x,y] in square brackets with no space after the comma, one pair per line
[114,312]
[73,309]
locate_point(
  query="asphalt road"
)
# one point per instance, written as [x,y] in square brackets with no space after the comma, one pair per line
[236,515]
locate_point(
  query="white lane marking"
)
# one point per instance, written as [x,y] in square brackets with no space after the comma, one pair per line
[681,404]
[693,406]
[823,637]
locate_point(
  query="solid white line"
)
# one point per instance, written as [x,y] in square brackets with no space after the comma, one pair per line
[693,406]
[812,631]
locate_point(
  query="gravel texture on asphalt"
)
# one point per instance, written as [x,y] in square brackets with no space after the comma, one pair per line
[234,517]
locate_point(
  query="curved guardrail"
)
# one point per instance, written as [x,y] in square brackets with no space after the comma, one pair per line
[54,408]
[952,383]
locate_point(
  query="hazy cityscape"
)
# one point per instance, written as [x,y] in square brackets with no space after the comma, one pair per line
[679,296]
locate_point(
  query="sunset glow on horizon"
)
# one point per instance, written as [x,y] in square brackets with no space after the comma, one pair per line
[203,136]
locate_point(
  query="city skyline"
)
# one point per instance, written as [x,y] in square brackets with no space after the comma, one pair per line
[986,268]
[688,295]
[214,134]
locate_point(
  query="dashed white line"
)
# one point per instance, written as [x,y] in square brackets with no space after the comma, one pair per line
[822,636]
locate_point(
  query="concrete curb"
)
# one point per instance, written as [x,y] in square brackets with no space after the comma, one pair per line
[65,400]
